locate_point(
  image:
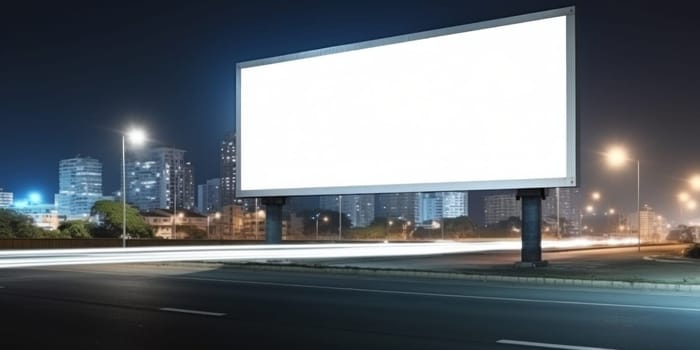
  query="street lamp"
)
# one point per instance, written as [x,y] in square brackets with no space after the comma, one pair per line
[175,217]
[595,196]
[316,217]
[136,137]
[695,182]
[216,216]
[389,224]
[617,157]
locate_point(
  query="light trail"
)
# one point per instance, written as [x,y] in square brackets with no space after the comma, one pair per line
[54,257]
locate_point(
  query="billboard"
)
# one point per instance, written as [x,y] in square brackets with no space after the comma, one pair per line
[489,105]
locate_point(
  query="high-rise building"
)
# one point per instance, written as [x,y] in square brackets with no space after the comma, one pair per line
[649,224]
[438,205]
[209,196]
[397,205]
[358,208]
[569,199]
[228,169]
[430,208]
[455,204]
[159,178]
[6,199]
[79,187]
[499,207]
[187,187]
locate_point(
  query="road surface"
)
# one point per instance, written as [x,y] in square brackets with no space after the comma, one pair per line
[142,306]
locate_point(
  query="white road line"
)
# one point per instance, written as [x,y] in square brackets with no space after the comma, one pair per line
[442,295]
[548,345]
[193,312]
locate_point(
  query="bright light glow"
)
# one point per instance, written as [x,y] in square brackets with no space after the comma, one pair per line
[695,182]
[691,204]
[589,208]
[683,197]
[491,84]
[34,198]
[617,156]
[595,196]
[52,257]
[217,215]
[611,211]
[136,136]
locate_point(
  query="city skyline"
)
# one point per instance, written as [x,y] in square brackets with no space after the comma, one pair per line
[179,84]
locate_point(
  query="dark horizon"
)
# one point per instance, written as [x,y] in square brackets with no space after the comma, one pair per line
[74,75]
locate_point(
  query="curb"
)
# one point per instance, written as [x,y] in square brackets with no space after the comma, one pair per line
[671,259]
[549,281]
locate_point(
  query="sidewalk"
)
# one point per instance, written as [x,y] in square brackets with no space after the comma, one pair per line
[655,267]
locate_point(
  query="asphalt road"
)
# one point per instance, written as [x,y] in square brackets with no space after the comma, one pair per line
[206,307]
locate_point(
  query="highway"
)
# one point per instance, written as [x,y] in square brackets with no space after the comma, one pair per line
[205,306]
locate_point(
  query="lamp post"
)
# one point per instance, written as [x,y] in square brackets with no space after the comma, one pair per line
[137,137]
[317,217]
[388,227]
[617,157]
[558,219]
[217,216]
[340,217]
[208,219]
[176,188]
[175,217]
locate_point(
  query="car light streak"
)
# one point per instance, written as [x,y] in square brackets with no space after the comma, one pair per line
[45,257]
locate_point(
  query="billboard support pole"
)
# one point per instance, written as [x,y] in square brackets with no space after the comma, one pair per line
[531,233]
[273,219]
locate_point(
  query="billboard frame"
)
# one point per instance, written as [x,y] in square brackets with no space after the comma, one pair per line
[572,133]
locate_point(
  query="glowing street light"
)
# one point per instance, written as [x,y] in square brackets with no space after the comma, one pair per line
[317,217]
[617,157]
[595,195]
[695,182]
[136,137]
[589,209]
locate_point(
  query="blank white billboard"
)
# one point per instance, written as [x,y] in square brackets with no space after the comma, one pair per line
[489,105]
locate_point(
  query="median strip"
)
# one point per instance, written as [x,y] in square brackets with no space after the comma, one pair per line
[192,312]
[548,345]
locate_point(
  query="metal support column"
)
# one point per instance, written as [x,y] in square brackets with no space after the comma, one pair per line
[273,219]
[531,252]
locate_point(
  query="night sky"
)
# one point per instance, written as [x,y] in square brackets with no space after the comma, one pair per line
[73,75]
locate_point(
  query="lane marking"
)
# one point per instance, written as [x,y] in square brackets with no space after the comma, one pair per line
[548,345]
[442,295]
[193,312]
